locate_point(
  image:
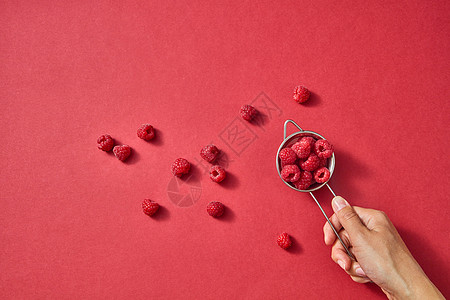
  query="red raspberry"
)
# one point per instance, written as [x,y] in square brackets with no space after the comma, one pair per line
[122,152]
[302,149]
[301,94]
[146,132]
[248,112]
[217,173]
[215,209]
[287,156]
[290,173]
[209,153]
[150,207]
[105,142]
[284,240]
[321,175]
[323,149]
[311,163]
[323,162]
[180,166]
[306,179]
[310,140]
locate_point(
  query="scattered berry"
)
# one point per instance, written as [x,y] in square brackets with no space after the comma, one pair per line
[306,179]
[215,209]
[302,149]
[146,132]
[209,153]
[284,240]
[301,94]
[217,173]
[287,156]
[180,166]
[122,152]
[248,112]
[321,175]
[290,173]
[311,163]
[323,149]
[105,142]
[150,207]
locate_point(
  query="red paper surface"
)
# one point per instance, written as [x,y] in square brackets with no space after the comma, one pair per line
[72,226]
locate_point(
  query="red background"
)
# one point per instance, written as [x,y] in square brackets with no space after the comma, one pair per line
[71,222]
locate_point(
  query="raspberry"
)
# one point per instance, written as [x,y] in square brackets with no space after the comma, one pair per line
[180,166]
[215,209]
[305,180]
[150,207]
[301,94]
[209,153]
[287,156]
[248,112]
[122,152]
[323,162]
[302,149]
[321,175]
[323,149]
[290,173]
[284,240]
[308,139]
[146,132]
[105,142]
[217,173]
[311,163]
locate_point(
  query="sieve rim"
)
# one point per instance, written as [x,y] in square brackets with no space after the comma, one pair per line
[331,163]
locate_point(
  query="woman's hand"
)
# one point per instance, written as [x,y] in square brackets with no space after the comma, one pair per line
[381,254]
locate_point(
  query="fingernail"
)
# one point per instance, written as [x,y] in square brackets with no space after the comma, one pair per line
[360,272]
[339,203]
[341,264]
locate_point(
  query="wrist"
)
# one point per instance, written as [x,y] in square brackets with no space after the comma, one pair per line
[413,283]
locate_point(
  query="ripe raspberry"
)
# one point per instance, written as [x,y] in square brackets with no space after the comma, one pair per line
[321,175]
[310,140]
[306,179]
[122,152]
[248,112]
[290,173]
[302,149]
[311,163]
[217,173]
[105,142]
[284,240]
[301,94]
[323,162]
[287,156]
[215,209]
[146,132]
[323,149]
[209,153]
[150,207]
[180,166]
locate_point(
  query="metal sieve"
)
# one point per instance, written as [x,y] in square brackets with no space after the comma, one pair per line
[289,141]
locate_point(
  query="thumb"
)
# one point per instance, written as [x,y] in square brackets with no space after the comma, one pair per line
[347,217]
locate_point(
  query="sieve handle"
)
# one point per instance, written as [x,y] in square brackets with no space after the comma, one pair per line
[329,222]
[285,125]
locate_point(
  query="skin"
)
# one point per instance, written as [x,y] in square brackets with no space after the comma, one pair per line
[381,255]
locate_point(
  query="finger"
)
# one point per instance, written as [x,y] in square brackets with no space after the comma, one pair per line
[356,271]
[339,254]
[348,217]
[360,279]
[328,233]
[366,215]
